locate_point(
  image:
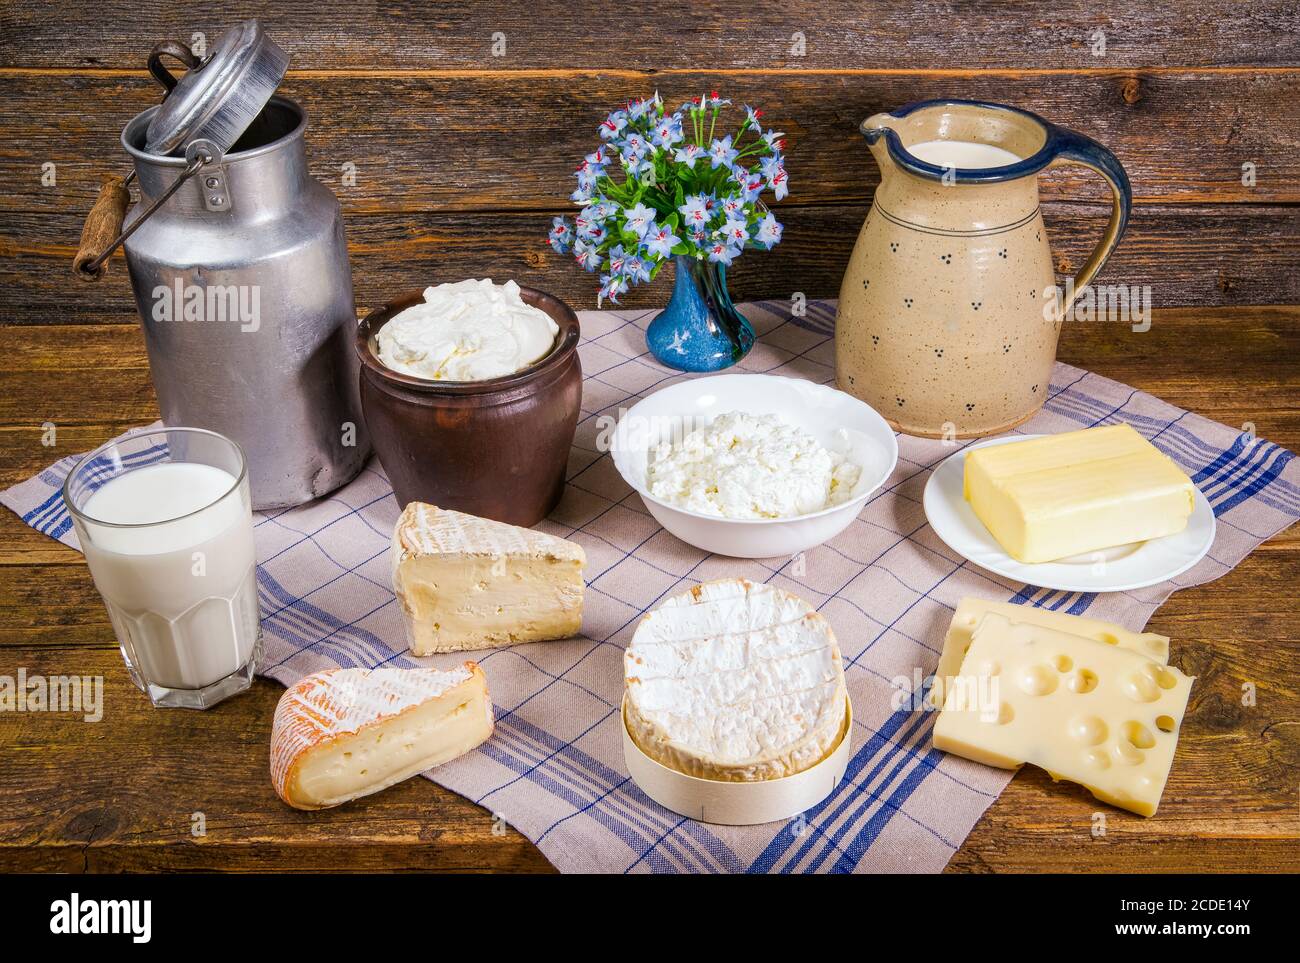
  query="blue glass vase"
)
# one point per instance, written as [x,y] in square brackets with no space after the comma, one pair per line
[700,330]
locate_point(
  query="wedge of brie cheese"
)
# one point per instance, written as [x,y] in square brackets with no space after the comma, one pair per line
[735,681]
[344,733]
[971,610]
[1091,713]
[472,583]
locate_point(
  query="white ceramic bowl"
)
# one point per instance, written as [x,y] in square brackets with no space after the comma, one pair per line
[817,409]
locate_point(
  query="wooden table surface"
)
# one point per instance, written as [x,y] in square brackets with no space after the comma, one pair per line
[123,793]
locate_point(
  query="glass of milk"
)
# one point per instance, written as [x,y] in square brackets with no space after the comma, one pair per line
[166,524]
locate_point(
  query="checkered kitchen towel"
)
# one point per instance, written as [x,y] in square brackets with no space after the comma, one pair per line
[554,769]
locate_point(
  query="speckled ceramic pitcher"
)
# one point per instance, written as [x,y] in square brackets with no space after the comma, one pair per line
[949,312]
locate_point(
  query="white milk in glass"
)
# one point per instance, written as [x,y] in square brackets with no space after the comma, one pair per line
[962,154]
[182,594]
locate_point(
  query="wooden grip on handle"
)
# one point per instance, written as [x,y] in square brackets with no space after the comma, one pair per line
[103,225]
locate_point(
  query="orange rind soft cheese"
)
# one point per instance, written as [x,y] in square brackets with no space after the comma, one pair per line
[343,733]
[1053,497]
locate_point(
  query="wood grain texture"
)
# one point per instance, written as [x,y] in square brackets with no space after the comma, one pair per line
[502,142]
[1188,255]
[118,795]
[461,158]
[882,34]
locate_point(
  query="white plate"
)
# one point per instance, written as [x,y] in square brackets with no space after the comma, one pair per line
[1115,569]
[867,440]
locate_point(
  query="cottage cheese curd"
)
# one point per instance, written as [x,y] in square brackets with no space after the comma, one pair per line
[467,331]
[750,466]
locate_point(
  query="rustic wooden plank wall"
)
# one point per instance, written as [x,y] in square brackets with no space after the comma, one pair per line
[462,157]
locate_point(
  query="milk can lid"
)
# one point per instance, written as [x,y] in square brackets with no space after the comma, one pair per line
[217,99]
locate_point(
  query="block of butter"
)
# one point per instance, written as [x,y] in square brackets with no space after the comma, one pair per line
[1061,495]
[971,610]
[1087,712]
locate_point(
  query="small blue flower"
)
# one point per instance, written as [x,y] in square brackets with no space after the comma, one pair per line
[687,154]
[636,269]
[722,153]
[668,131]
[593,165]
[722,252]
[611,286]
[773,138]
[643,167]
[583,194]
[661,241]
[749,184]
[611,125]
[639,108]
[638,219]
[632,151]
[736,232]
[780,183]
[586,254]
[769,232]
[561,236]
[732,205]
[697,210]
[751,118]
[773,169]
[603,210]
[617,259]
[588,228]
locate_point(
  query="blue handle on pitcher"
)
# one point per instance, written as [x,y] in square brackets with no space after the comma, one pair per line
[1075,148]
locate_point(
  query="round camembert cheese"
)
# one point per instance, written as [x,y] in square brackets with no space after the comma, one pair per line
[735,681]
[467,331]
[750,466]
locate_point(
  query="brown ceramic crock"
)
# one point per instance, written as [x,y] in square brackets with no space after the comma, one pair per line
[496,448]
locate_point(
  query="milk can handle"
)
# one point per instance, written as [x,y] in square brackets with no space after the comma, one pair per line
[169,48]
[106,217]
[109,212]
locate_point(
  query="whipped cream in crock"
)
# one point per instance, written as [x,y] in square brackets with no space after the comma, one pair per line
[467,331]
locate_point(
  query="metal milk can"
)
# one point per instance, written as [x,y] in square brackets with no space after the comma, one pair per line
[240,269]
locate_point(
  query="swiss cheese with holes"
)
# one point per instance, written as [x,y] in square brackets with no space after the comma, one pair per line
[971,610]
[1087,712]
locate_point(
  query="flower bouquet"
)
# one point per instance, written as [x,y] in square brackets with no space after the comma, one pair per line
[685,194]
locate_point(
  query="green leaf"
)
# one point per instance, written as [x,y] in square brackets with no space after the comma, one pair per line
[683,248]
